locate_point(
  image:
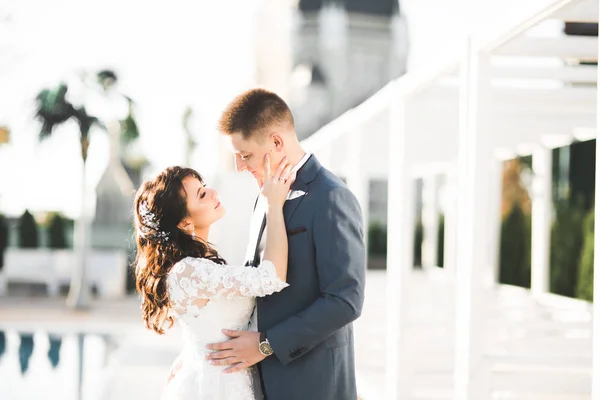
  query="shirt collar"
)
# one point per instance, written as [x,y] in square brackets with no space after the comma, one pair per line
[301,162]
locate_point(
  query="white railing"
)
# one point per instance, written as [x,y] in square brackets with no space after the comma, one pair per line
[107,270]
[473,127]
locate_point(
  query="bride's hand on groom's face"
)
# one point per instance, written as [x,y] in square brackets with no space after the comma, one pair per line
[239,353]
[275,188]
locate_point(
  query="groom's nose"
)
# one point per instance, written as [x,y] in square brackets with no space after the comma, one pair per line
[240,165]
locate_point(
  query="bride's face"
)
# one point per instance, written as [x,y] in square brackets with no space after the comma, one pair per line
[204,207]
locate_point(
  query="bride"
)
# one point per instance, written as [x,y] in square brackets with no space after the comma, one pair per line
[180,276]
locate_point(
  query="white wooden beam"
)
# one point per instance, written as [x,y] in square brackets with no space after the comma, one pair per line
[554,141]
[527,24]
[528,100]
[564,47]
[426,169]
[583,134]
[399,257]
[451,223]
[469,374]
[541,220]
[430,218]
[528,129]
[573,74]
[550,141]
[357,177]
[494,222]
[578,11]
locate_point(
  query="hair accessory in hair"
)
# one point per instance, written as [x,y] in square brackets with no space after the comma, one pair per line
[150,223]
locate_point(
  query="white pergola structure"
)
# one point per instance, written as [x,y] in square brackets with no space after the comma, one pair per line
[520,94]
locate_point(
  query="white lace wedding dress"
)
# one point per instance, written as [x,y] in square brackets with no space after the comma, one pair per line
[231,291]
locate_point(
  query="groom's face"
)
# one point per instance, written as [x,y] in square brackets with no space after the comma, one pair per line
[250,155]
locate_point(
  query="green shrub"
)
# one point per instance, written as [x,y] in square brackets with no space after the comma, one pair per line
[28,234]
[515,248]
[3,239]
[565,247]
[377,239]
[440,242]
[585,281]
[57,238]
[418,244]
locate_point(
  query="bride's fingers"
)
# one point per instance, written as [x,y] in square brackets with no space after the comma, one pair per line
[280,169]
[267,163]
[284,176]
[291,178]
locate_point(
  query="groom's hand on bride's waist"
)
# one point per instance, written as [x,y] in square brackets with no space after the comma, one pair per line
[240,352]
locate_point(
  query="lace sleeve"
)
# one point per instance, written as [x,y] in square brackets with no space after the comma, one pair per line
[199,278]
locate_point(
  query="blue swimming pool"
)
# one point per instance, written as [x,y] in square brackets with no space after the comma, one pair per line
[46,365]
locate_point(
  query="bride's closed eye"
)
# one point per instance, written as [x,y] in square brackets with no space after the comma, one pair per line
[203,190]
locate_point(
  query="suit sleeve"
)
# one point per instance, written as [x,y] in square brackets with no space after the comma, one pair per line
[341,264]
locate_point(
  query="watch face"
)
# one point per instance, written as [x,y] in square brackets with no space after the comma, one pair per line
[266,349]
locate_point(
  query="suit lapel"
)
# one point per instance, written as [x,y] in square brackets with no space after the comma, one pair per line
[290,206]
[306,174]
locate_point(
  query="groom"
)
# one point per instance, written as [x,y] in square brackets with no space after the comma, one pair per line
[304,344]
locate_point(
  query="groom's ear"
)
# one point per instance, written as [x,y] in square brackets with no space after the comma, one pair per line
[277,141]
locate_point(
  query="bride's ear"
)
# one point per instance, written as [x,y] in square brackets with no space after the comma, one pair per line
[185,225]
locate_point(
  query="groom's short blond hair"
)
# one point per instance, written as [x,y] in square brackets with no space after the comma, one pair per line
[255,113]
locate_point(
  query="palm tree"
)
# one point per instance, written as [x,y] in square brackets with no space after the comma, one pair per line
[53,109]
[191,143]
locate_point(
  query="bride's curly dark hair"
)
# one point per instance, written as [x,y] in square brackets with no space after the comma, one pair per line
[159,206]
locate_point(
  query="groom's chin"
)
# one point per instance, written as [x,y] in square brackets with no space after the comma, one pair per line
[257,177]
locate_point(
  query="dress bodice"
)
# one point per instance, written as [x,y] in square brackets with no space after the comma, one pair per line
[230,291]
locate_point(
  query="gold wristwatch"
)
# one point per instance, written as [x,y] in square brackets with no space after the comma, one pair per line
[264,346]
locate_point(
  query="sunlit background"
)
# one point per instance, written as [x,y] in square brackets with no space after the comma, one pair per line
[153,79]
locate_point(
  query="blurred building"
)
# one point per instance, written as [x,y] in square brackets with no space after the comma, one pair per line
[343,51]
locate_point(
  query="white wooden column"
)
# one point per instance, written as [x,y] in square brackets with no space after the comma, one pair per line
[541,220]
[400,254]
[357,177]
[430,217]
[450,224]
[473,175]
[596,309]
[494,223]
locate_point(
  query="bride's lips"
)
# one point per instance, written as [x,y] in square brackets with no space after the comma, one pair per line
[218,205]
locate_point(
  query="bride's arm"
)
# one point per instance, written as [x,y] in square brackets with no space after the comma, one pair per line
[194,279]
[274,190]
[276,247]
